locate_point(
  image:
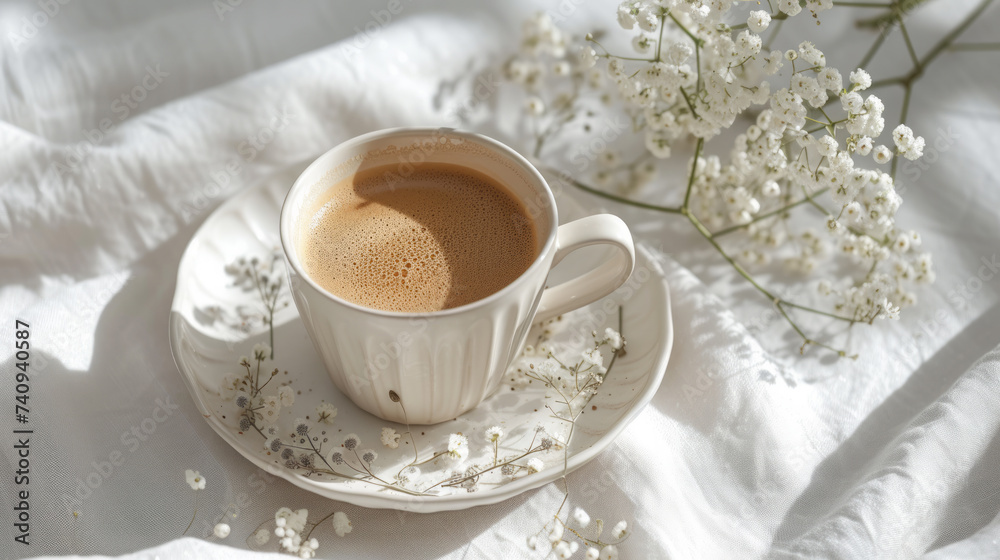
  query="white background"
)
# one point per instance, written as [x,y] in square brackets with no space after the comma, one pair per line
[893,456]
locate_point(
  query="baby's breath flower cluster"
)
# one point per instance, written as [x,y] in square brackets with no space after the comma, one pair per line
[563,537]
[196,481]
[307,446]
[293,531]
[700,67]
[574,384]
[289,527]
[258,411]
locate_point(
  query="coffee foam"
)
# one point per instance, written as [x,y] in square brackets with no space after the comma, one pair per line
[440,237]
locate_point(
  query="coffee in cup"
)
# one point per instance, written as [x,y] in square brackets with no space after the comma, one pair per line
[441,236]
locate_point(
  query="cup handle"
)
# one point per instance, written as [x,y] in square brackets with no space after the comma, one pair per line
[599,282]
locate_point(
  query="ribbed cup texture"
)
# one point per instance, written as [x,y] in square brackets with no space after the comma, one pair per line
[439,365]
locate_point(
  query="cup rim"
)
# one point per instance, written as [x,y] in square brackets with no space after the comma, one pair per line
[286,225]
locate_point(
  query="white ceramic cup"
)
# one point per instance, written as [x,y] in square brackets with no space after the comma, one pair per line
[443,363]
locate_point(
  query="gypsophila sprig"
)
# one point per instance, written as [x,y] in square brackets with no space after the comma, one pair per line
[290,528]
[564,537]
[265,277]
[494,434]
[574,384]
[196,482]
[810,135]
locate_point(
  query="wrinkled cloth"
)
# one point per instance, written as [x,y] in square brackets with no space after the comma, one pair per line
[118,120]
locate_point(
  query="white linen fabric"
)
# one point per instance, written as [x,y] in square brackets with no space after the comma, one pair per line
[748,449]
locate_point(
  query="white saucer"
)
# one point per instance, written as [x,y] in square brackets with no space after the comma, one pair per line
[213,323]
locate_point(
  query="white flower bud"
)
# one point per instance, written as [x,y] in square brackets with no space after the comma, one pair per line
[882,154]
[620,529]
[864,146]
[556,533]
[861,80]
[770,188]
[534,106]
[758,21]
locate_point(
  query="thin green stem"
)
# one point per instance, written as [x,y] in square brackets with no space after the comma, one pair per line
[899,9]
[778,302]
[256,383]
[607,54]
[269,303]
[688,101]
[948,39]
[825,124]
[193,515]
[863,4]
[909,44]
[457,481]
[637,59]
[737,266]
[921,64]
[270,328]
[659,42]
[686,31]
[614,197]
[367,470]
[694,167]
[801,70]
[425,461]
[876,45]
[818,311]
[767,293]
[697,58]
[830,123]
[767,215]
[318,523]
[898,80]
